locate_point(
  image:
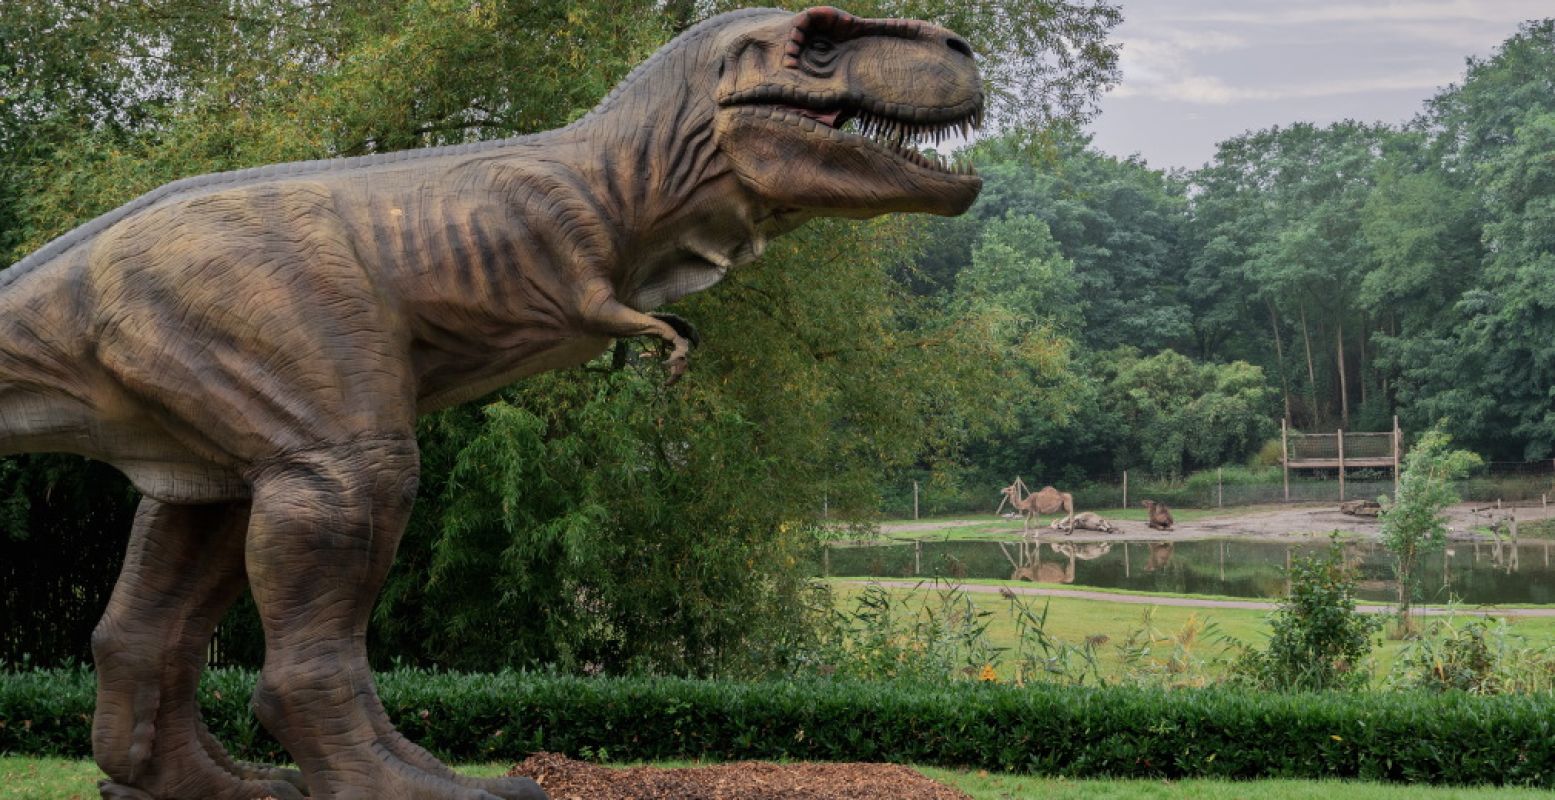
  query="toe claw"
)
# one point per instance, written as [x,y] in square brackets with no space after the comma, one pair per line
[118,791]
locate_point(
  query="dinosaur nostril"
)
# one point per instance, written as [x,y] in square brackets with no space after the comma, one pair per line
[959,46]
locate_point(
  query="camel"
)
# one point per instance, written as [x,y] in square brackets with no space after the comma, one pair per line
[1085,521]
[1045,501]
[1160,515]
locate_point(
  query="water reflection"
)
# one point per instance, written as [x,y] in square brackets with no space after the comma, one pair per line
[1470,572]
[1029,566]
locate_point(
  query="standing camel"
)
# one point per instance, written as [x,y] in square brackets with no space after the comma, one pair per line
[1046,501]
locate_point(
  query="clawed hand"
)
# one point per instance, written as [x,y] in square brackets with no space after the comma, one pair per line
[685,339]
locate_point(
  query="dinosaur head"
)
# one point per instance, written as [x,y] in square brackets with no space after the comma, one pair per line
[822,112]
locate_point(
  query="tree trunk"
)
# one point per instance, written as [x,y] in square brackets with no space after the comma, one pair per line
[1306,339]
[1344,383]
[1365,332]
[1279,358]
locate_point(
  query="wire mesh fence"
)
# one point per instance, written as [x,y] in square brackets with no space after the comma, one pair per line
[1525,484]
[1325,446]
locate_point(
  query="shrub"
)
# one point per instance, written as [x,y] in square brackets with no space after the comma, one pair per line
[1043,729]
[1319,641]
[1477,655]
[882,638]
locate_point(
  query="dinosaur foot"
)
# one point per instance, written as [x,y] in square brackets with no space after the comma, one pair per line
[372,772]
[118,791]
[417,757]
[233,789]
[413,756]
[265,774]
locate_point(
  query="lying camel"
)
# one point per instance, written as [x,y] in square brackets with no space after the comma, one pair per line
[1160,515]
[1085,521]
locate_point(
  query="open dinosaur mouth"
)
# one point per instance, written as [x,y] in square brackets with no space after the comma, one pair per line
[888,130]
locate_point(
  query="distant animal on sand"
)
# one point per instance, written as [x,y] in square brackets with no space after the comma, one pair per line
[1085,521]
[1160,515]
[1046,501]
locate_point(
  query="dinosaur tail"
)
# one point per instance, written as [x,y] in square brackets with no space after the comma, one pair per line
[37,393]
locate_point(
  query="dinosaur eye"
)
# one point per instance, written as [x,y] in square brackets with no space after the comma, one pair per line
[819,53]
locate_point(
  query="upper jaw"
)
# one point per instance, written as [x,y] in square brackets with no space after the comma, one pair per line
[892,129]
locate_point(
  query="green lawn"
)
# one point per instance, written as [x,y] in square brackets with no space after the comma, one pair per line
[1074,620]
[61,779]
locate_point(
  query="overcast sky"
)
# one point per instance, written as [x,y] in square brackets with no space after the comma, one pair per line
[1196,72]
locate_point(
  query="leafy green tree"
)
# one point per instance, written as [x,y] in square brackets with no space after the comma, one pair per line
[1120,223]
[1018,266]
[1183,415]
[1413,524]
[1473,349]
[1279,210]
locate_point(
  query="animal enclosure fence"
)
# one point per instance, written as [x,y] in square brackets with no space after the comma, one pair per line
[1340,450]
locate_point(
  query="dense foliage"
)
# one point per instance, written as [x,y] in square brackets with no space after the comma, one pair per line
[1118,732]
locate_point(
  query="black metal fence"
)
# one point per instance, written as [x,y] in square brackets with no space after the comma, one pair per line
[61,545]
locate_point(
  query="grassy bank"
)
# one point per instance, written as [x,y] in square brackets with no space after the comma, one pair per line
[1170,631]
[64,779]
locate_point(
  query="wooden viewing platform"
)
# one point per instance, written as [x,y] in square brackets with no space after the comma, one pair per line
[1339,450]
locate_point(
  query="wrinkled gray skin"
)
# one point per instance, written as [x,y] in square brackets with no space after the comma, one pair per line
[252,350]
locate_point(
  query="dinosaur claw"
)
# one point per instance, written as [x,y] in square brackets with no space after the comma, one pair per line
[683,328]
[677,365]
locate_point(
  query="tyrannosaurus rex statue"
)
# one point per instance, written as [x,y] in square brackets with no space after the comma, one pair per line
[252,349]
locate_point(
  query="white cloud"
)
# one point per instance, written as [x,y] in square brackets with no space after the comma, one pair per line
[1197,70]
[1209,90]
[1370,12]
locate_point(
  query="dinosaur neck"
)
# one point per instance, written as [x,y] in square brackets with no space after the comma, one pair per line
[650,157]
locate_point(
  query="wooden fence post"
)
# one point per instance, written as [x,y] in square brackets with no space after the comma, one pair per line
[1285,457]
[1125,491]
[1220,488]
[1397,450]
[1341,465]
[914,499]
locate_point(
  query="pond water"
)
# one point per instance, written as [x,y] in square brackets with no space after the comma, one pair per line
[1468,572]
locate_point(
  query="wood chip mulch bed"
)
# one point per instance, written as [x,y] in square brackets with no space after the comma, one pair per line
[566,779]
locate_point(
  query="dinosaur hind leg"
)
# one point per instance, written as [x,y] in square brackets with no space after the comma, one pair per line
[325,527]
[183,569]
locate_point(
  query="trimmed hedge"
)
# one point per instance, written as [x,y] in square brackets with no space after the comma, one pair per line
[1050,730]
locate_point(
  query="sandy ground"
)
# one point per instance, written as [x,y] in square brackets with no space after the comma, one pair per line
[1262,524]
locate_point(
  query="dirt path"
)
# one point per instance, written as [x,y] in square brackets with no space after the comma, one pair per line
[1263,523]
[1190,602]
